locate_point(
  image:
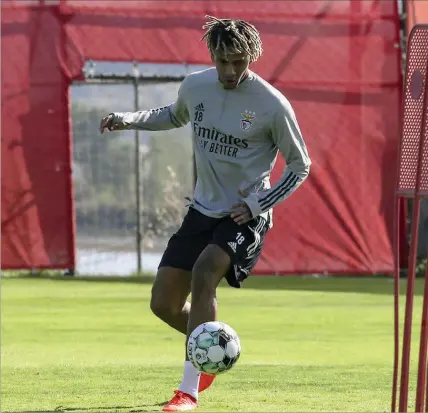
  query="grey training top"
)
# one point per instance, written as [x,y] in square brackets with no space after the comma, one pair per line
[237,134]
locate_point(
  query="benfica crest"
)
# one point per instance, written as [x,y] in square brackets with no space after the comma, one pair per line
[246,120]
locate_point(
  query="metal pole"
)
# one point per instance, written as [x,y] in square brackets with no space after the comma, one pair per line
[137,177]
[396,244]
[91,77]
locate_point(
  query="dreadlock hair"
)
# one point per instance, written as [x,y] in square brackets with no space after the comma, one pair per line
[232,36]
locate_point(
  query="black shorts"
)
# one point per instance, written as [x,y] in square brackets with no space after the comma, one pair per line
[243,243]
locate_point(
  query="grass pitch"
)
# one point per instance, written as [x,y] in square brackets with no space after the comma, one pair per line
[309,345]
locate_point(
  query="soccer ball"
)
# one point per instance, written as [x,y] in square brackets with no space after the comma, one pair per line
[213,347]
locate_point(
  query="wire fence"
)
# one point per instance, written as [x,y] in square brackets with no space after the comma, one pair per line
[130,187]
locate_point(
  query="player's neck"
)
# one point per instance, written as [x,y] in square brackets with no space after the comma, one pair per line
[244,77]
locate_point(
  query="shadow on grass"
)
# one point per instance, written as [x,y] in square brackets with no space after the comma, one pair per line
[338,283]
[130,409]
[375,284]
[135,279]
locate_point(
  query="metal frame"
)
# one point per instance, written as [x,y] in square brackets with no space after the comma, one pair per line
[416,194]
[136,78]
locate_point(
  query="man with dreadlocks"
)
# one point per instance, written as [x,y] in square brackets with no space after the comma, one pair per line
[239,123]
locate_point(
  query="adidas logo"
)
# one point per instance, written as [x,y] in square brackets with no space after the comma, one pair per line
[232,246]
[200,107]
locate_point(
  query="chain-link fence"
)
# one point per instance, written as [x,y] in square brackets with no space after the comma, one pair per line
[108,216]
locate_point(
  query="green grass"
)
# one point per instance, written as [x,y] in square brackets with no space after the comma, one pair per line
[309,345]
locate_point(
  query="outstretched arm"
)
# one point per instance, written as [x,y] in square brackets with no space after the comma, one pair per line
[172,116]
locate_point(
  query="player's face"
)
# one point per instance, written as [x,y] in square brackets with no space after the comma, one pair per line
[231,68]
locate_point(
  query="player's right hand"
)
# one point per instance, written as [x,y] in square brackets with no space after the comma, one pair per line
[107,123]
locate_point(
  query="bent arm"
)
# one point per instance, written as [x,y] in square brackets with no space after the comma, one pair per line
[287,137]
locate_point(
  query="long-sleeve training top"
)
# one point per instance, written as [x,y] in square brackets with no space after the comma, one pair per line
[237,135]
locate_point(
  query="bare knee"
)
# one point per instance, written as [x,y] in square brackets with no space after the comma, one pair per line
[209,269]
[169,292]
[160,307]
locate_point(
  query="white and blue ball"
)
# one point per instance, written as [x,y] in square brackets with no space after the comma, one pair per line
[213,347]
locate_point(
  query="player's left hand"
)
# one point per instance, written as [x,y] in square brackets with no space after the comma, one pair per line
[240,211]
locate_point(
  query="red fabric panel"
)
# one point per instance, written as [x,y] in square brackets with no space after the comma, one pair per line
[36,202]
[339,65]
[344,212]
[337,62]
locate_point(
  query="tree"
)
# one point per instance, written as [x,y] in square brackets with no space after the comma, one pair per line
[104,176]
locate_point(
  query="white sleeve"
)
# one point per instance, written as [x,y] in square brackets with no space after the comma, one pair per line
[287,137]
[172,116]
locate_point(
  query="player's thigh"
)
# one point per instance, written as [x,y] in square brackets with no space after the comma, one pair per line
[243,244]
[210,267]
[185,246]
[172,283]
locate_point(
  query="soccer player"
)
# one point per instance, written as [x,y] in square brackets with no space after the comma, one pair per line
[239,124]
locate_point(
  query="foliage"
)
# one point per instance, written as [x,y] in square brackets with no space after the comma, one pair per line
[421,268]
[105,179]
